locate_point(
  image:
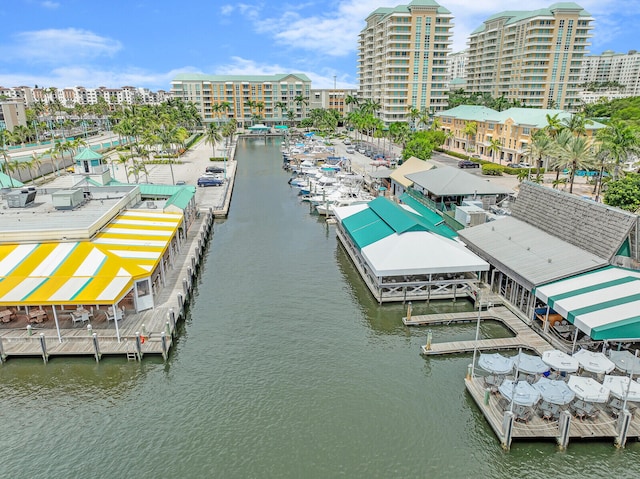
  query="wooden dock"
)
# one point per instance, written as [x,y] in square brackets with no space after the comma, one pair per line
[604,426]
[157,325]
[523,336]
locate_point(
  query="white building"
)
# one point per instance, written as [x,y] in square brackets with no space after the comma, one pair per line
[611,67]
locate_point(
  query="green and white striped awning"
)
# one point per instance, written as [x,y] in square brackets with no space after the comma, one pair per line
[604,303]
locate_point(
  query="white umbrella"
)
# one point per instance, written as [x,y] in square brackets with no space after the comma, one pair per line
[596,363]
[495,363]
[625,361]
[522,393]
[555,391]
[560,361]
[529,364]
[588,389]
[618,386]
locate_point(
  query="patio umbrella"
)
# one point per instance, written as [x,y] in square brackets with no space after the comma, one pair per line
[529,364]
[596,363]
[560,361]
[618,386]
[555,391]
[521,392]
[588,389]
[625,361]
[495,363]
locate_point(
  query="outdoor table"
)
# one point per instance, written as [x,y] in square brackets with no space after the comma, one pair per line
[79,316]
[7,315]
[37,316]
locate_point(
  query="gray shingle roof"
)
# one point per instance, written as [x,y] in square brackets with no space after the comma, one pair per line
[526,253]
[594,227]
[449,181]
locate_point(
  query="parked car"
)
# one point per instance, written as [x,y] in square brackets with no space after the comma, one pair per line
[210,181]
[524,165]
[350,150]
[468,164]
[181,183]
[347,141]
[513,165]
[476,156]
[214,169]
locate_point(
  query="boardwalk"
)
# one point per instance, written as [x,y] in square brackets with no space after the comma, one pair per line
[524,337]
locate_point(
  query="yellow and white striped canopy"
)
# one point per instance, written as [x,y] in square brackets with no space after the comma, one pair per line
[100,271]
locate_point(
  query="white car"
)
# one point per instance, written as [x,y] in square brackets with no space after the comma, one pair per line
[350,150]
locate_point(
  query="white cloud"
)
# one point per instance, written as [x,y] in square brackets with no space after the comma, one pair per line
[50,5]
[57,47]
[226,9]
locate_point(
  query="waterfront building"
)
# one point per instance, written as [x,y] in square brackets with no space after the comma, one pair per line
[266,99]
[611,67]
[549,236]
[534,57]
[402,58]
[509,131]
[399,182]
[406,252]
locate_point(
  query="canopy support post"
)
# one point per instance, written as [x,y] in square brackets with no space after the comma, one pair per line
[115,320]
[55,317]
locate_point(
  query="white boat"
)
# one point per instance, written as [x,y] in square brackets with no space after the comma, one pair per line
[341,198]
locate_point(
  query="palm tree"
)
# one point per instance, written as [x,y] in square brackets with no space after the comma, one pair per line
[212,136]
[575,152]
[576,124]
[414,114]
[281,105]
[554,125]
[471,129]
[494,148]
[619,141]
[541,147]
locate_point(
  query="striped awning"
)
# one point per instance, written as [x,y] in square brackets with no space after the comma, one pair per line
[604,303]
[89,272]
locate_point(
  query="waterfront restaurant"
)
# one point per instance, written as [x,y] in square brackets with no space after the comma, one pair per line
[75,254]
[550,236]
[403,255]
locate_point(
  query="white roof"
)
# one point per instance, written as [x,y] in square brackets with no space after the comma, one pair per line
[420,252]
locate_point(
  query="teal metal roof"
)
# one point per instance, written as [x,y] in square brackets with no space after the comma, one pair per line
[182,198]
[9,182]
[435,221]
[87,154]
[383,218]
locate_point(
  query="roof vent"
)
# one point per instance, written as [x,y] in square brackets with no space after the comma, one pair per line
[549,260]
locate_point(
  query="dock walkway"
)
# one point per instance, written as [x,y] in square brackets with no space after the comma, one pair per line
[524,337]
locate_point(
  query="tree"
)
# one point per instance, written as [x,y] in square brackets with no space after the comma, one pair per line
[494,148]
[212,136]
[574,152]
[281,105]
[619,141]
[624,193]
[471,129]
[540,148]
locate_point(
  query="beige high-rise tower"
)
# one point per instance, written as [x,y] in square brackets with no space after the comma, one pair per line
[534,57]
[402,59]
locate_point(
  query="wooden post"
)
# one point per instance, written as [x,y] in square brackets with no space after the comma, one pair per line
[185,286]
[623,427]
[507,429]
[564,427]
[172,319]
[180,302]
[96,347]
[2,357]
[163,342]
[43,346]
[139,345]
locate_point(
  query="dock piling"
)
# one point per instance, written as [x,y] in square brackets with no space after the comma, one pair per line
[139,345]
[1,352]
[507,429]
[172,319]
[43,346]
[623,428]
[163,342]
[564,427]
[96,347]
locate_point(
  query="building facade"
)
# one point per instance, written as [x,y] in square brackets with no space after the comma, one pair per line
[501,136]
[268,99]
[534,57]
[457,65]
[332,99]
[611,67]
[402,58]
[12,114]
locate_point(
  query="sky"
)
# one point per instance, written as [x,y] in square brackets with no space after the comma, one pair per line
[144,43]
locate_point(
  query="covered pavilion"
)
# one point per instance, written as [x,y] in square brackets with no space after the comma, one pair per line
[403,255]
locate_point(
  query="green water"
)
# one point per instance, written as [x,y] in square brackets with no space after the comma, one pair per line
[285,368]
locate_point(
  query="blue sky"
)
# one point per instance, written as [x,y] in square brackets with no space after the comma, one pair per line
[145,43]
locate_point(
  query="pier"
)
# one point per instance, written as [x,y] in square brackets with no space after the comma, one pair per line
[524,337]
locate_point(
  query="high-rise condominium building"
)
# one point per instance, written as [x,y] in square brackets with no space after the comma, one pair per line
[457,65]
[268,99]
[531,56]
[610,67]
[402,59]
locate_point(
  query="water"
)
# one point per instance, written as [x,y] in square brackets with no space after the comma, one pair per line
[285,368]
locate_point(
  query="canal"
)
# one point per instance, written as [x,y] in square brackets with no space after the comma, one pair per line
[285,368]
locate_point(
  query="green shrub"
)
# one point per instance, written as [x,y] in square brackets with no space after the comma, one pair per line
[492,169]
[216,158]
